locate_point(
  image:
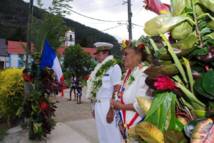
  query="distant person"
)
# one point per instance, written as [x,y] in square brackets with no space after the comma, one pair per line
[102,84]
[79,90]
[73,87]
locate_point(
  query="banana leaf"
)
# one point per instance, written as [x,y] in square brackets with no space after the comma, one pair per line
[177,6]
[181,31]
[162,24]
[162,112]
[209,4]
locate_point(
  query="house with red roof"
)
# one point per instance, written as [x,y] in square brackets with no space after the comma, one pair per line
[16,53]
[90,51]
[13,53]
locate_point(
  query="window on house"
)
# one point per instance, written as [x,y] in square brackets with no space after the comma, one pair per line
[71,38]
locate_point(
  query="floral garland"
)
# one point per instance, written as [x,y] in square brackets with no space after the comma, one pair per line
[136,73]
[95,80]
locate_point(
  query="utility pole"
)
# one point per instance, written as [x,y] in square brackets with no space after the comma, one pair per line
[28,50]
[129,19]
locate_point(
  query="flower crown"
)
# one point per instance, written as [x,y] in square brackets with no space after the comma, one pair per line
[132,44]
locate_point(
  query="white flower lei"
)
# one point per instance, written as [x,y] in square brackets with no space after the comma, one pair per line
[136,73]
[92,78]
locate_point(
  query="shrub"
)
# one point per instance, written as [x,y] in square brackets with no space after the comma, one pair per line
[11,92]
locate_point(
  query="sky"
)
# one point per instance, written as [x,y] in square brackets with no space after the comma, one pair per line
[113,10]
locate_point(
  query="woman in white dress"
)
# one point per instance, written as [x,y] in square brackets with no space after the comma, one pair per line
[133,85]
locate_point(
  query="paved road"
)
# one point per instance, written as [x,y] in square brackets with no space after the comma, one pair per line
[74,124]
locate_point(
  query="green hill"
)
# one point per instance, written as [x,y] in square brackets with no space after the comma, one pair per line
[13,23]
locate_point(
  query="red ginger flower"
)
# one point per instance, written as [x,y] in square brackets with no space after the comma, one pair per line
[43,106]
[164,83]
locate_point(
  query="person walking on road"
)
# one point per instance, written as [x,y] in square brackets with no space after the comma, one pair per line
[73,87]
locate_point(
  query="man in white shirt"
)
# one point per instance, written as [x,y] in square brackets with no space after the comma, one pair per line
[108,131]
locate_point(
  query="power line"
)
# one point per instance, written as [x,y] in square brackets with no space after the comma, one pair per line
[97,19]
[113,27]
[137,25]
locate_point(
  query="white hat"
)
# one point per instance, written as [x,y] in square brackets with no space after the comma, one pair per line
[101,46]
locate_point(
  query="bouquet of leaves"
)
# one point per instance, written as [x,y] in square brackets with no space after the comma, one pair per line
[180,47]
[38,109]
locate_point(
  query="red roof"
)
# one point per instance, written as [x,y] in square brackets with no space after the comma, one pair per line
[16,47]
[90,51]
[60,51]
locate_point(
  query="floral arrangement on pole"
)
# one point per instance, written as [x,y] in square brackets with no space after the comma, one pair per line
[37,107]
[181,48]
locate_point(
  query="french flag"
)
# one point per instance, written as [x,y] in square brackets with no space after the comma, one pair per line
[50,59]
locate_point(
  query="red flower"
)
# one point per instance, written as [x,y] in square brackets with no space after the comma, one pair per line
[43,106]
[164,83]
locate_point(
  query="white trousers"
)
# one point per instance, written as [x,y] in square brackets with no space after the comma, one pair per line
[107,133]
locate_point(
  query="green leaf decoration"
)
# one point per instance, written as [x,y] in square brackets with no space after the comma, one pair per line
[162,111]
[211,25]
[200,51]
[181,31]
[186,45]
[162,24]
[178,6]
[198,89]
[165,69]
[197,104]
[189,73]
[208,83]
[175,58]
[209,4]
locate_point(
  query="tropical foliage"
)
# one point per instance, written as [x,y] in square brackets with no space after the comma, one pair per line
[77,62]
[11,93]
[37,107]
[180,47]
